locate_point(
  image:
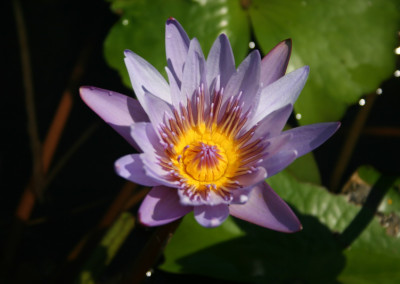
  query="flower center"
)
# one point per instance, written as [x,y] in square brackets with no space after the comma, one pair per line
[205,162]
[206,153]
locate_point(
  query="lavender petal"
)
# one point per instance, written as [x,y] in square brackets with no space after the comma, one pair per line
[156,109]
[154,170]
[253,177]
[273,123]
[194,70]
[144,77]
[274,64]
[280,93]
[266,209]
[275,163]
[131,167]
[176,47]
[211,216]
[146,137]
[220,61]
[118,110]
[177,96]
[307,138]
[245,80]
[161,206]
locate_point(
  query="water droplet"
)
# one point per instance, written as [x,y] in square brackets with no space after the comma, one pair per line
[298,116]
[397,50]
[252,44]
[125,22]
[149,273]
[361,102]
[379,91]
[397,73]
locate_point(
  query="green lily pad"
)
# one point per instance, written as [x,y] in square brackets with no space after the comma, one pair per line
[347,44]
[252,254]
[257,255]
[141,28]
[373,258]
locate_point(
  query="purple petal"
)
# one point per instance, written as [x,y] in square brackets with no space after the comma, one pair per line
[118,110]
[131,167]
[156,109]
[277,162]
[241,195]
[265,208]
[274,64]
[146,137]
[161,206]
[307,138]
[252,178]
[177,96]
[273,123]
[194,70]
[211,216]
[276,143]
[280,93]
[176,46]
[144,77]
[246,79]
[153,169]
[220,61]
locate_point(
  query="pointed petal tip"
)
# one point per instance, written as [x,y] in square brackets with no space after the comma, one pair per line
[300,73]
[285,44]
[288,42]
[83,88]
[334,126]
[83,91]
[294,227]
[87,93]
[256,52]
[174,22]
[171,20]
[128,52]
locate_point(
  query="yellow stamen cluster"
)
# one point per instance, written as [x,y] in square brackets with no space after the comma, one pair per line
[203,149]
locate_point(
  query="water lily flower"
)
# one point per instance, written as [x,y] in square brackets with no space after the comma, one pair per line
[209,138]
